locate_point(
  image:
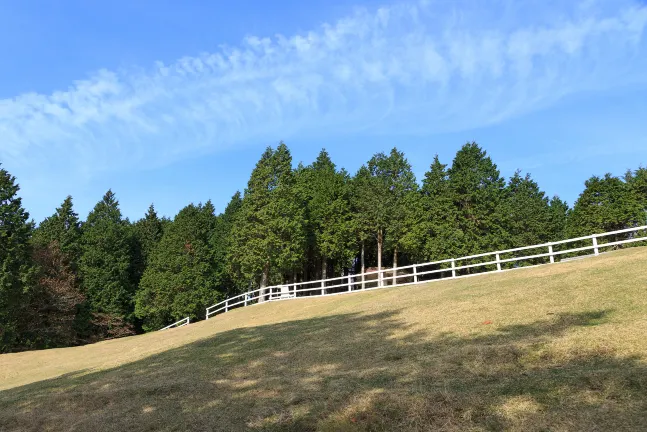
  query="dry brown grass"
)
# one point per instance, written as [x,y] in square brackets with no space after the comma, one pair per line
[566,350]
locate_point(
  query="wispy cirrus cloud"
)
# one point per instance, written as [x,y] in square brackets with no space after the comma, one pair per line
[423,67]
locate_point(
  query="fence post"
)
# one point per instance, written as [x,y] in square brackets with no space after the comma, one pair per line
[595,246]
[227,305]
[323,291]
[415,274]
[498,262]
[453,268]
[295,290]
[350,286]
[552,256]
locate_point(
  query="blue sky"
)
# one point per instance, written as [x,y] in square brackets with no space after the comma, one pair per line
[173,102]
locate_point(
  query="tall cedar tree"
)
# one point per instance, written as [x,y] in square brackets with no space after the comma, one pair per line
[268,238]
[59,314]
[559,213]
[221,242]
[401,193]
[440,232]
[106,264]
[479,194]
[147,233]
[329,213]
[64,228]
[606,204]
[529,212]
[16,269]
[180,279]
[370,206]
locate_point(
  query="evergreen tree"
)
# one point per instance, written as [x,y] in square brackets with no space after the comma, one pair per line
[529,212]
[401,194]
[180,279]
[64,228]
[637,182]
[221,241]
[328,212]
[363,200]
[441,235]
[559,213]
[105,264]
[606,204]
[268,238]
[479,194]
[147,233]
[16,269]
[55,306]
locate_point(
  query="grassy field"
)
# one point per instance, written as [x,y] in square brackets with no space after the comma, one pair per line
[553,348]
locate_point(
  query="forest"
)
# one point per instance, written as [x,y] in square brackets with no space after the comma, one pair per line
[67,281]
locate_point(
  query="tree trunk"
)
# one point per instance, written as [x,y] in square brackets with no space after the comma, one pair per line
[380,240]
[363,265]
[264,279]
[395,266]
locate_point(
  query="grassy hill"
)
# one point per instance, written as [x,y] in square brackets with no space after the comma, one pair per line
[557,348]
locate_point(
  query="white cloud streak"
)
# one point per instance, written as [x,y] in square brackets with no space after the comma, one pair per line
[416,68]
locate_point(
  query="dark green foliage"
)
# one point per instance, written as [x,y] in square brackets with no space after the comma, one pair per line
[147,233]
[64,228]
[637,182]
[529,213]
[439,227]
[607,204]
[559,212]
[325,192]
[180,279]
[220,242]
[479,193]
[268,238]
[16,268]
[106,260]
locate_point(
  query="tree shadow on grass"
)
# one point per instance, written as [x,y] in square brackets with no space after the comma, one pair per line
[351,372]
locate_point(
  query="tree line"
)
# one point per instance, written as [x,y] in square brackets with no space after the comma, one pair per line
[69,282]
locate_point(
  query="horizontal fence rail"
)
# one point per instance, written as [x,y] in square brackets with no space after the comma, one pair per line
[545,253]
[180,323]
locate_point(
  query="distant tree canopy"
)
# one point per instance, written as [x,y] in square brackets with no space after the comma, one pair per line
[69,282]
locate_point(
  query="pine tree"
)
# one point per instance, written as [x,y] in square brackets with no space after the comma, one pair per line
[441,235]
[479,194]
[105,264]
[606,204]
[269,233]
[16,269]
[328,212]
[180,279]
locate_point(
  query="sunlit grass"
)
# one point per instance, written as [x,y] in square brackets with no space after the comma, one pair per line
[554,348]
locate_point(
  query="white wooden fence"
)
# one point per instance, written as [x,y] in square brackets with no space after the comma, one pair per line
[180,323]
[426,272]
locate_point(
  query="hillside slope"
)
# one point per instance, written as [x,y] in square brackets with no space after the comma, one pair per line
[558,347]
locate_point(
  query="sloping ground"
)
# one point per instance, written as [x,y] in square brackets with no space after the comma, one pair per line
[561,347]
